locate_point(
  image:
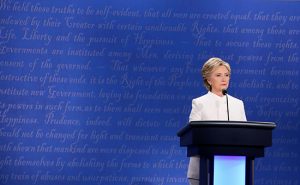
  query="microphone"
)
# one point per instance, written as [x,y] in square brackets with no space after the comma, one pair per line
[224,92]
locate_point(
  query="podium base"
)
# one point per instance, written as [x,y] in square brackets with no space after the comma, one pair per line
[229,170]
[226,170]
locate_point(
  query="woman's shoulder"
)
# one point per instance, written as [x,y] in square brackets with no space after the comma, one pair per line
[234,99]
[202,98]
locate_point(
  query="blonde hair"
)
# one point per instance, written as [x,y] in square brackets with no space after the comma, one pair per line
[209,66]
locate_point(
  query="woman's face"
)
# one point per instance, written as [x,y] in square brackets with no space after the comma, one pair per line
[219,79]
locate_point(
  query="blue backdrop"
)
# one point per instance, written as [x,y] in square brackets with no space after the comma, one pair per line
[93,92]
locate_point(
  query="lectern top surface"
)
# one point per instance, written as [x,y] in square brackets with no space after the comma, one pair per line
[227,124]
[240,123]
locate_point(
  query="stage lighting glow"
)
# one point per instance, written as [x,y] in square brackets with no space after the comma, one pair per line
[229,170]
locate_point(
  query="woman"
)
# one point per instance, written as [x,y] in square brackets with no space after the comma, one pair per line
[213,106]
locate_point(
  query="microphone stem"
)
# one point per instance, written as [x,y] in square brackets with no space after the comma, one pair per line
[227,107]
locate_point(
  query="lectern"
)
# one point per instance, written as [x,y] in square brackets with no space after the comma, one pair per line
[227,149]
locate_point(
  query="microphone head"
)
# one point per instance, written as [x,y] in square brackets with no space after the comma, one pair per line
[224,91]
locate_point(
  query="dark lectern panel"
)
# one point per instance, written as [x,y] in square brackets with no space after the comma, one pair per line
[227,138]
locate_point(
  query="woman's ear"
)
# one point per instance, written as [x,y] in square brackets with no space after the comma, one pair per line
[208,81]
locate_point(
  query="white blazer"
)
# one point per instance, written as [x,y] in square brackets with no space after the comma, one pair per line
[213,107]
